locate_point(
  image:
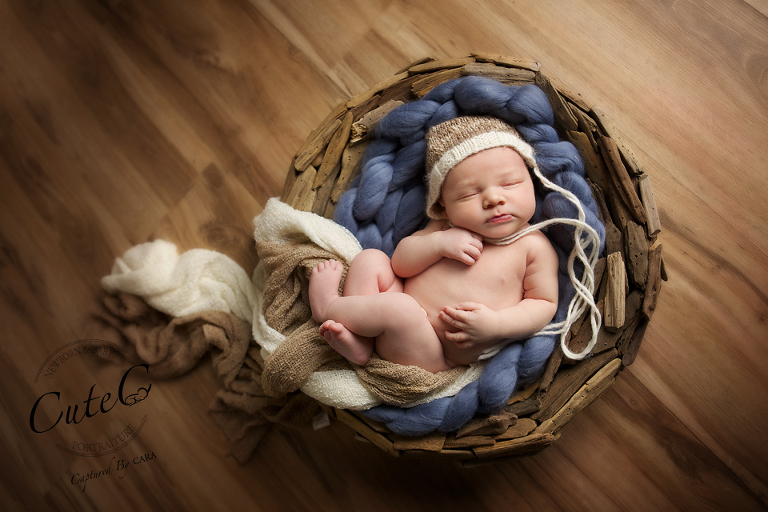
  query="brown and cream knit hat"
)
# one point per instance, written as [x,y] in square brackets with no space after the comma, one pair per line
[450,142]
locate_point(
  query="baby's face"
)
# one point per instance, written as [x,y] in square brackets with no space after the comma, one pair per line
[490,193]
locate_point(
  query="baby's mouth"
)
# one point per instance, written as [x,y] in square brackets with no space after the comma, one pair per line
[499,219]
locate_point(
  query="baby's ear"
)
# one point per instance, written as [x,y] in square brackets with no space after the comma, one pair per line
[442,204]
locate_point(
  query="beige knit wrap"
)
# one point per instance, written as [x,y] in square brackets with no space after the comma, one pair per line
[286,309]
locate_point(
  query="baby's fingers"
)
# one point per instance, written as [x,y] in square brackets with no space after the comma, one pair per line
[461,339]
[447,318]
[474,250]
[464,310]
[469,256]
[466,253]
[453,316]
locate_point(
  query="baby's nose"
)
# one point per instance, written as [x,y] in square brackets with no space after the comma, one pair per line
[493,198]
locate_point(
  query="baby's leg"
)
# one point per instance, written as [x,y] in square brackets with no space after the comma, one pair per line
[371,272]
[323,291]
[408,337]
[355,349]
[396,321]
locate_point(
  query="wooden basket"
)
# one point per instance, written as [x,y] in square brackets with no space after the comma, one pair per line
[629,278]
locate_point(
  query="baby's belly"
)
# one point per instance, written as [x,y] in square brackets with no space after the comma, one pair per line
[448,283]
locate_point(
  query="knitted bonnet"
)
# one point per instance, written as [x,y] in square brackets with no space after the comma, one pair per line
[452,141]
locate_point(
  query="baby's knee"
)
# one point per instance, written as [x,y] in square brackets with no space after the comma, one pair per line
[370,272]
[371,257]
[404,309]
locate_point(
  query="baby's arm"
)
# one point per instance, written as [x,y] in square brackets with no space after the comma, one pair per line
[416,253]
[478,323]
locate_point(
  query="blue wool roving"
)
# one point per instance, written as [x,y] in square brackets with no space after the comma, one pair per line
[386,202]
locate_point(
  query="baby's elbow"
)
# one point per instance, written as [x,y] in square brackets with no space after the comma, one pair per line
[547,311]
[551,309]
[401,269]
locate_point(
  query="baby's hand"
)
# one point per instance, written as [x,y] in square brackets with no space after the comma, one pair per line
[461,244]
[476,324]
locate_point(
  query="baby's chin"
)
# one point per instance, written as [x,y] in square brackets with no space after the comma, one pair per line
[502,226]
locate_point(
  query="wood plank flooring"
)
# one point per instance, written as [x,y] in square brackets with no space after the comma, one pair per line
[122,122]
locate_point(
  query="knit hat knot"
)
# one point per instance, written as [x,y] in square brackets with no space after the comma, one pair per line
[452,141]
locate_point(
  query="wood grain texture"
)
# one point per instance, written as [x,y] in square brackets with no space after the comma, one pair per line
[122,122]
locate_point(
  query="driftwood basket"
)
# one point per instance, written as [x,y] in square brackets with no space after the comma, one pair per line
[628,278]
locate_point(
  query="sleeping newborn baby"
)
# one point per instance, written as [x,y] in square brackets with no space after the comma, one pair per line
[467,284]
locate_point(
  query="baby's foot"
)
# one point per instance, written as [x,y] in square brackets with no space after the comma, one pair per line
[324,287]
[356,349]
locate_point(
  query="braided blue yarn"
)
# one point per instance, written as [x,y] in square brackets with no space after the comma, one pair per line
[386,202]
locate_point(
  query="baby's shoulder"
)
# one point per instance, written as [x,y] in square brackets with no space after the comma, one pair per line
[537,238]
[536,243]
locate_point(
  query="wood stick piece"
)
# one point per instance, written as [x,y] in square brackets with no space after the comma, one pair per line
[366,106]
[563,115]
[610,131]
[525,407]
[624,185]
[567,381]
[587,394]
[350,166]
[379,427]
[376,89]
[488,426]
[649,202]
[636,252]
[367,432]
[437,65]
[553,365]
[588,127]
[510,62]
[653,286]
[457,454]
[311,140]
[423,85]
[615,292]
[581,338]
[330,210]
[365,127]
[525,393]
[607,339]
[400,91]
[301,196]
[323,192]
[614,240]
[336,146]
[315,145]
[572,97]
[594,165]
[509,76]
[529,444]
[633,344]
[430,442]
[415,63]
[290,179]
[627,352]
[470,442]
[521,428]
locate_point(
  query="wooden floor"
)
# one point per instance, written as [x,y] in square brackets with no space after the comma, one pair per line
[124,121]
